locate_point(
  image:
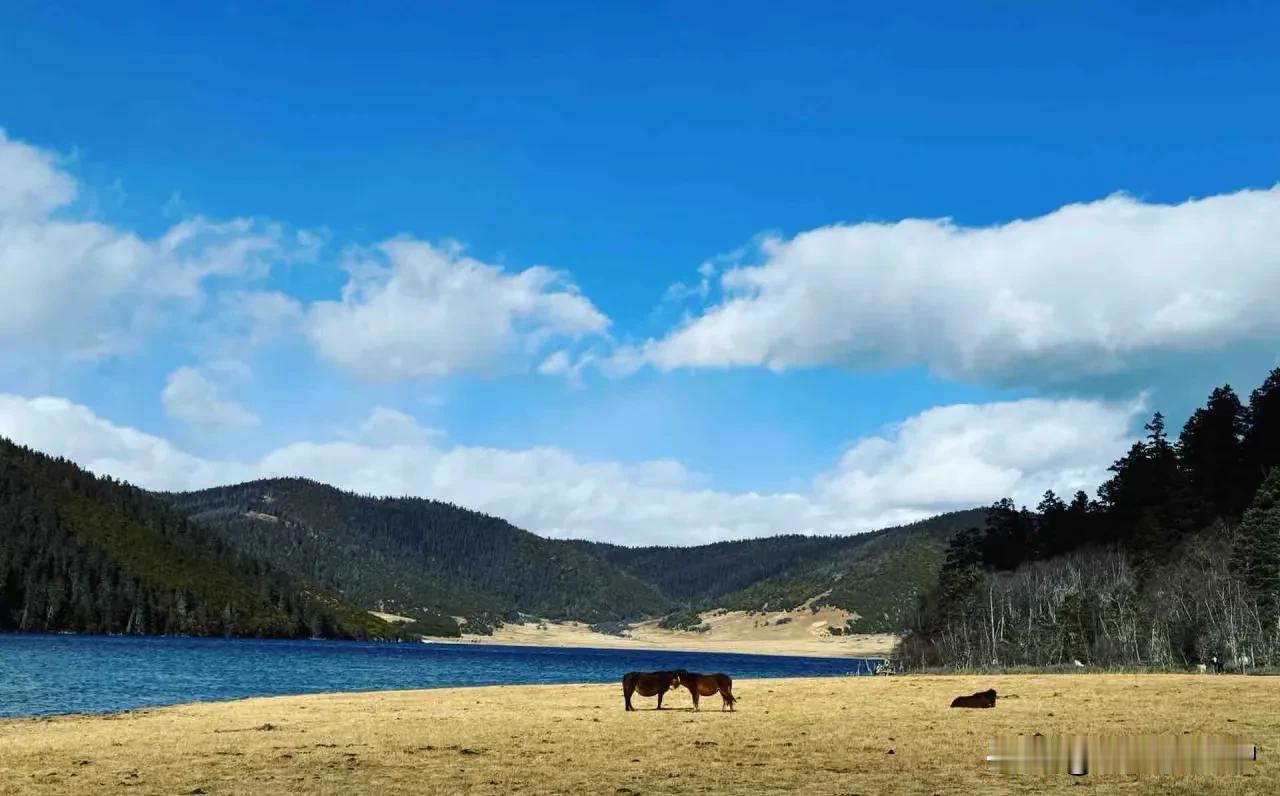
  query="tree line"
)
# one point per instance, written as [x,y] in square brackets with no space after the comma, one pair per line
[1177,558]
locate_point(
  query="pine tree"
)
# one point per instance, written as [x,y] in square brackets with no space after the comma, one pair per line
[1053,527]
[1261,447]
[1010,538]
[1256,553]
[1081,521]
[1210,450]
[1148,495]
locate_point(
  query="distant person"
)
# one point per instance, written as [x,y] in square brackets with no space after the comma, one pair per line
[1216,663]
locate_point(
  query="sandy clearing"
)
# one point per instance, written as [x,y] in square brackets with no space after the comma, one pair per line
[806,633]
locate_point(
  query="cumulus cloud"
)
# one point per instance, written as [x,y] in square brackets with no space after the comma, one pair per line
[86,288]
[413,309]
[966,454]
[190,397]
[946,458]
[61,428]
[33,185]
[1086,290]
[388,427]
[258,316]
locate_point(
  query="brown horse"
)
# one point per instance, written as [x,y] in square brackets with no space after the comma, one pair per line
[982,699]
[648,684]
[707,685]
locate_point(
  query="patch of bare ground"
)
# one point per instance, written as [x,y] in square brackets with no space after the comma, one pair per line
[802,632]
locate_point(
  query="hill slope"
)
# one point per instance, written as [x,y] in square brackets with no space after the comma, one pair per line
[879,575]
[704,572]
[88,554]
[881,579]
[419,558]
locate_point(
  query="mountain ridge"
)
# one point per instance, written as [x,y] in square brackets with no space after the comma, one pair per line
[436,561]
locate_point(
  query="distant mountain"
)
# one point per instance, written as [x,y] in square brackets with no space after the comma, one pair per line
[419,558]
[86,554]
[878,575]
[435,562]
[290,556]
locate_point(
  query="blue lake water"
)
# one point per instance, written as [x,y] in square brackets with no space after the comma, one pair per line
[41,675]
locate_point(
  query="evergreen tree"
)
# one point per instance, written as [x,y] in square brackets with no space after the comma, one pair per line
[1081,522]
[1148,496]
[1256,553]
[1210,450]
[958,579]
[1010,537]
[1054,534]
[1261,447]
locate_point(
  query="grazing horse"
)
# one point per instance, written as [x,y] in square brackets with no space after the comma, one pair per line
[707,685]
[982,699]
[648,684]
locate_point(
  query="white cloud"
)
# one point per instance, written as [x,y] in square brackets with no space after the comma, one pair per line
[260,316]
[388,427]
[61,428]
[969,454]
[412,309]
[85,288]
[33,185]
[1085,290]
[190,397]
[946,458]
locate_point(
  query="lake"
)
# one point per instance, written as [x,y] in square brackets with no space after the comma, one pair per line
[42,675]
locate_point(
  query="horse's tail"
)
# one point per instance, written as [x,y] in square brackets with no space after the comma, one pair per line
[726,691]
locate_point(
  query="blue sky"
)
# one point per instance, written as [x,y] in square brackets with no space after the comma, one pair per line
[620,149]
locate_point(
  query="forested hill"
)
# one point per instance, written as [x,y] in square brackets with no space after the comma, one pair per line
[880,575]
[703,572]
[86,554]
[419,558]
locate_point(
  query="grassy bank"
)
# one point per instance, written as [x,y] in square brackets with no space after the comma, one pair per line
[840,735]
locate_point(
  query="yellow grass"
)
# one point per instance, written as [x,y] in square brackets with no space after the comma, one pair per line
[730,631]
[868,735]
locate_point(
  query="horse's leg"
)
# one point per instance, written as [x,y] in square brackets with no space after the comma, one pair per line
[627,688]
[660,693]
[695,698]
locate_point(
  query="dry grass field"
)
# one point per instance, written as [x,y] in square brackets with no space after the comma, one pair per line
[864,735]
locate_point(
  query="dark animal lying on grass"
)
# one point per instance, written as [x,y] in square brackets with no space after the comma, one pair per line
[982,699]
[648,684]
